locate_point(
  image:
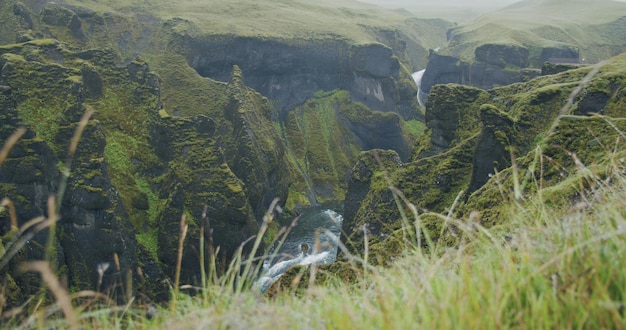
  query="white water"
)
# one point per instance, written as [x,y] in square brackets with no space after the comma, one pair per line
[417,77]
[320,230]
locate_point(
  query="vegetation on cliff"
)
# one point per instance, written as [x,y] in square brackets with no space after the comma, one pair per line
[165,141]
[464,160]
[514,44]
[546,265]
[593,30]
[199,124]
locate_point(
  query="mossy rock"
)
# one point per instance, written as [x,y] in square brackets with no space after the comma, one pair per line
[297,280]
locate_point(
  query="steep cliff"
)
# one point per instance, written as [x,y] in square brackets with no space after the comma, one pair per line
[193,117]
[49,98]
[512,44]
[464,160]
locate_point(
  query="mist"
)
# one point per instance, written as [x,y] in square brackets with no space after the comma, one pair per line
[452,10]
[483,4]
[445,3]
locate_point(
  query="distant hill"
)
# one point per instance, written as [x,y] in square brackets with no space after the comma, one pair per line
[512,44]
[596,28]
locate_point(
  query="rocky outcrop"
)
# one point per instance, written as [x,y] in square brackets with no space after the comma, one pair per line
[93,232]
[452,116]
[356,223]
[472,135]
[289,72]
[137,169]
[141,169]
[493,65]
[477,56]
[269,117]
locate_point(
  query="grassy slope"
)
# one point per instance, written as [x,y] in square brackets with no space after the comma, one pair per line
[454,11]
[553,273]
[553,261]
[540,23]
[547,267]
[285,19]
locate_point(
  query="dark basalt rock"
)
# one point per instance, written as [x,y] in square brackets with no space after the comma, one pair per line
[443,69]
[383,133]
[497,134]
[501,55]
[356,220]
[93,232]
[450,105]
[569,55]
[493,65]
[291,72]
[57,15]
[22,11]
[592,103]
[139,166]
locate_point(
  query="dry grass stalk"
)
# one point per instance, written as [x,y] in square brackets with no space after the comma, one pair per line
[116,260]
[58,291]
[79,131]
[70,153]
[10,142]
[179,259]
[572,98]
[39,223]
[8,203]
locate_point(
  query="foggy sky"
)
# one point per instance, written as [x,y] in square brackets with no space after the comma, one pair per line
[490,4]
[441,3]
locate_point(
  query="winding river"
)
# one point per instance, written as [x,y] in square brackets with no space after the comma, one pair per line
[313,240]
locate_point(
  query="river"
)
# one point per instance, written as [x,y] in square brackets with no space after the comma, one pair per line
[317,230]
[314,238]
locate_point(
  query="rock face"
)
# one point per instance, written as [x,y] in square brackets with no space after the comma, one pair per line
[92,232]
[291,72]
[471,134]
[494,65]
[477,56]
[360,220]
[269,118]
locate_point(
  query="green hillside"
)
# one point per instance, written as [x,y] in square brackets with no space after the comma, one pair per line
[286,19]
[156,151]
[597,28]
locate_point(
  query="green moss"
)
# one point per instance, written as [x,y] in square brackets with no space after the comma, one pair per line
[297,196]
[525,25]
[92,189]
[92,174]
[75,79]
[46,42]
[119,151]
[414,127]
[12,57]
[183,91]
[149,240]
[163,114]
[45,93]
[43,116]
[155,205]
[234,186]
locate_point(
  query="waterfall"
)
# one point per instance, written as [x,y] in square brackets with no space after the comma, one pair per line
[417,77]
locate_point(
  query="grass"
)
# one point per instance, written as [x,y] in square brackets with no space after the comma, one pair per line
[283,19]
[547,265]
[544,23]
